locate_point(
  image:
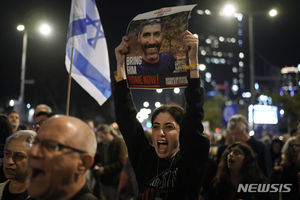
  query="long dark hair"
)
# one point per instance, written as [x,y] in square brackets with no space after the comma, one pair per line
[249,172]
[174,110]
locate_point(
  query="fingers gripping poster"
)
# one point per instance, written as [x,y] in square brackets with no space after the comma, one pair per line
[157,55]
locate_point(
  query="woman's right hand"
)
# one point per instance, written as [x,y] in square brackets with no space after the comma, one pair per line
[120,51]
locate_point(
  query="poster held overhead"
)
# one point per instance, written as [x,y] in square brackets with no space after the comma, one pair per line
[157,57]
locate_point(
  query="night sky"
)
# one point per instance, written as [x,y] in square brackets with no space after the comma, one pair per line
[276,40]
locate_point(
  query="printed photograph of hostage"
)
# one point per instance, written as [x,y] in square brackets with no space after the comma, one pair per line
[150,37]
[156,55]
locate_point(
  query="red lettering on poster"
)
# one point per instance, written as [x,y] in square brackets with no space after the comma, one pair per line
[151,80]
[135,80]
[162,11]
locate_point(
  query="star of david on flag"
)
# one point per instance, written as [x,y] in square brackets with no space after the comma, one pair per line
[90,62]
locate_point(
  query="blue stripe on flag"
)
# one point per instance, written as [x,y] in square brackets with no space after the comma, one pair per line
[90,72]
[77,27]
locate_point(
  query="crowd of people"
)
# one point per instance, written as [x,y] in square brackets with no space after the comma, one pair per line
[70,158]
[66,158]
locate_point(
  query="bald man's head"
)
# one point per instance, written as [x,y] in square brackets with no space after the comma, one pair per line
[62,152]
[73,131]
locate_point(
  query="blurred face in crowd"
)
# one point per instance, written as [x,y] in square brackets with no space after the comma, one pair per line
[101,137]
[237,134]
[15,161]
[39,109]
[276,147]
[55,159]
[296,145]
[165,135]
[105,138]
[39,121]
[14,120]
[150,39]
[235,159]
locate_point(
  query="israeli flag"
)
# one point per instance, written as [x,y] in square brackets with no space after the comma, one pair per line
[90,66]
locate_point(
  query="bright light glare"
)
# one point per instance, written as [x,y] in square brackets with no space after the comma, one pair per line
[157,104]
[281,112]
[273,12]
[208,75]
[202,67]
[256,86]
[208,12]
[228,10]
[148,124]
[45,29]
[251,133]
[235,88]
[176,90]
[31,112]
[246,94]
[159,90]
[20,27]
[143,114]
[11,103]
[241,55]
[146,104]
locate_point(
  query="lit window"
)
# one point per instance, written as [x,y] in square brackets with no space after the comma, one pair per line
[200,12]
[240,43]
[241,55]
[146,104]
[234,70]
[203,52]
[222,60]
[208,75]
[241,64]
[157,104]
[208,41]
[235,88]
[202,67]
[239,16]
[208,12]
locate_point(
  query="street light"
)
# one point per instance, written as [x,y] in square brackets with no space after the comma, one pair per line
[45,29]
[23,65]
[228,10]
[272,13]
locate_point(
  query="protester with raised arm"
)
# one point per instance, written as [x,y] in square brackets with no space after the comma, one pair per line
[172,167]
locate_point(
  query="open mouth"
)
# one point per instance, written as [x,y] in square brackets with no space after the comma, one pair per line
[36,173]
[162,146]
[230,161]
[162,143]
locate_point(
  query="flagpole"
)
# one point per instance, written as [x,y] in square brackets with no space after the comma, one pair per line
[69,84]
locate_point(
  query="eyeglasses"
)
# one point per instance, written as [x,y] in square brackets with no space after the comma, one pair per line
[16,156]
[235,152]
[53,146]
